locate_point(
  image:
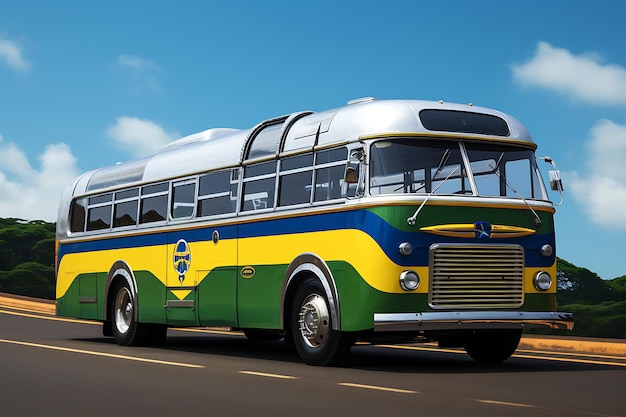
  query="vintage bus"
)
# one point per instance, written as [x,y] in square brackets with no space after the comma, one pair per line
[381,221]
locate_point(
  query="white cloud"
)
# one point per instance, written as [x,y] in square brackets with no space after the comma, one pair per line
[581,77]
[143,72]
[33,193]
[11,53]
[136,63]
[139,137]
[602,191]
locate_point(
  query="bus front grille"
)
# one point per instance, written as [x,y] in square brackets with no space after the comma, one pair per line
[476,276]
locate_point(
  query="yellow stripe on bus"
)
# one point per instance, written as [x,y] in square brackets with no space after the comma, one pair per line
[353,246]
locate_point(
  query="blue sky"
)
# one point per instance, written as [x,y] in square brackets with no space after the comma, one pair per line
[85,84]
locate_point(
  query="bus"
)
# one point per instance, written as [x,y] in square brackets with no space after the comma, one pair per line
[383,221]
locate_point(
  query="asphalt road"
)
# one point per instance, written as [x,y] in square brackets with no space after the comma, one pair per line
[57,367]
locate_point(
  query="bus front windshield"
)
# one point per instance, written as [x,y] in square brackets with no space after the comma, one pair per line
[438,167]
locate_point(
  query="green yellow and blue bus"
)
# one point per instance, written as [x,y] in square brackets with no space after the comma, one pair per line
[382,221]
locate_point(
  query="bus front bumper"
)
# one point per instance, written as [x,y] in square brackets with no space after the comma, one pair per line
[450,320]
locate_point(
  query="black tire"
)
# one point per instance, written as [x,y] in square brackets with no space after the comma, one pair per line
[126,330]
[492,346]
[311,327]
[259,335]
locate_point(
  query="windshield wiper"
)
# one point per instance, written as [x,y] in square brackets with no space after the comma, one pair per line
[411,220]
[508,184]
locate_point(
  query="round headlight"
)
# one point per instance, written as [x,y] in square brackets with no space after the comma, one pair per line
[546,250]
[542,281]
[409,280]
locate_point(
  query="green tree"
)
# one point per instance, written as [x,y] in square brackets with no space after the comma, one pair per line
[27,257]
[619,287]
[18,239]
[580,285]
[30,279]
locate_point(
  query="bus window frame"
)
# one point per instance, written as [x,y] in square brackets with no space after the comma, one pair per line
[182,182]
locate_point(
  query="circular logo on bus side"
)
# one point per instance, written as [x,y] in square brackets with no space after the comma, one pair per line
[182,259]
[247,272]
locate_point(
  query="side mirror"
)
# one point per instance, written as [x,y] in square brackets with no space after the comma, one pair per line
[555,177]
[555,180]
[351,176]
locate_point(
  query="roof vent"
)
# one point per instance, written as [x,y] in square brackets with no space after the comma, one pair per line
[360,100]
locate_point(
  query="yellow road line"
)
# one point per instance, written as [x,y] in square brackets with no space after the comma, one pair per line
[571,360]
[426,349]
[377,388]
[525,356]
[579,355]
[94,353]
[279,376]
[506,403]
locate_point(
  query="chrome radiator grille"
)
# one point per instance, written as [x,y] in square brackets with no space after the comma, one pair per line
[476,276]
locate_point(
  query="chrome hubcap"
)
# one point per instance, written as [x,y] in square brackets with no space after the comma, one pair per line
[314,320]
[123,314]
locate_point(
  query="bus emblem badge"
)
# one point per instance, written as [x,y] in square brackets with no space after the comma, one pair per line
[247,272]
[482,230]
[182,259]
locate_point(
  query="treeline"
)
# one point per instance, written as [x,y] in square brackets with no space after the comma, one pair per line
[27,268]
[599,306]
[27,258]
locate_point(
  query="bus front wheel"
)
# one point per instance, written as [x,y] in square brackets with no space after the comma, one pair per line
[492,346]
[311,327]
[126,330]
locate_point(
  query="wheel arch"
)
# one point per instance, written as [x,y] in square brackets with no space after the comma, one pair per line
[302,267]
[120,271]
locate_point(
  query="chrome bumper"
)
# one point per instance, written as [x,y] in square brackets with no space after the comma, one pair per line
[451,320]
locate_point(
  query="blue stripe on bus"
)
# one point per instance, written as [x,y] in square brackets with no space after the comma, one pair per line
[387,236]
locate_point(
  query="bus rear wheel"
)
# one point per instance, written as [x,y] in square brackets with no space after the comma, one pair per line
[126,330]
[492,346]
[311,327]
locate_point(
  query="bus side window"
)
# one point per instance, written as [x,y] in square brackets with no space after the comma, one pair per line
[214,194]
[125,212]
[153,203]
[183,199]
[77,215]
[330,167]
[259,184]
[99,212]
[296,175]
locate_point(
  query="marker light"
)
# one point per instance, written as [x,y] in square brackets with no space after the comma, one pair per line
[405,248]
[542,281]
[546,250]
[409,280]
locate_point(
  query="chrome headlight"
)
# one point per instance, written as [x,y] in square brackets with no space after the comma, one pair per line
[409,280]
[542,281]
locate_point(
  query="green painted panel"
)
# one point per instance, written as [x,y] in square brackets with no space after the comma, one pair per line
[540,302]
[359,301]
[217,298]
[396,216]
[181,315]
[68,306]
[88,296]
[258,297]
[150,298]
